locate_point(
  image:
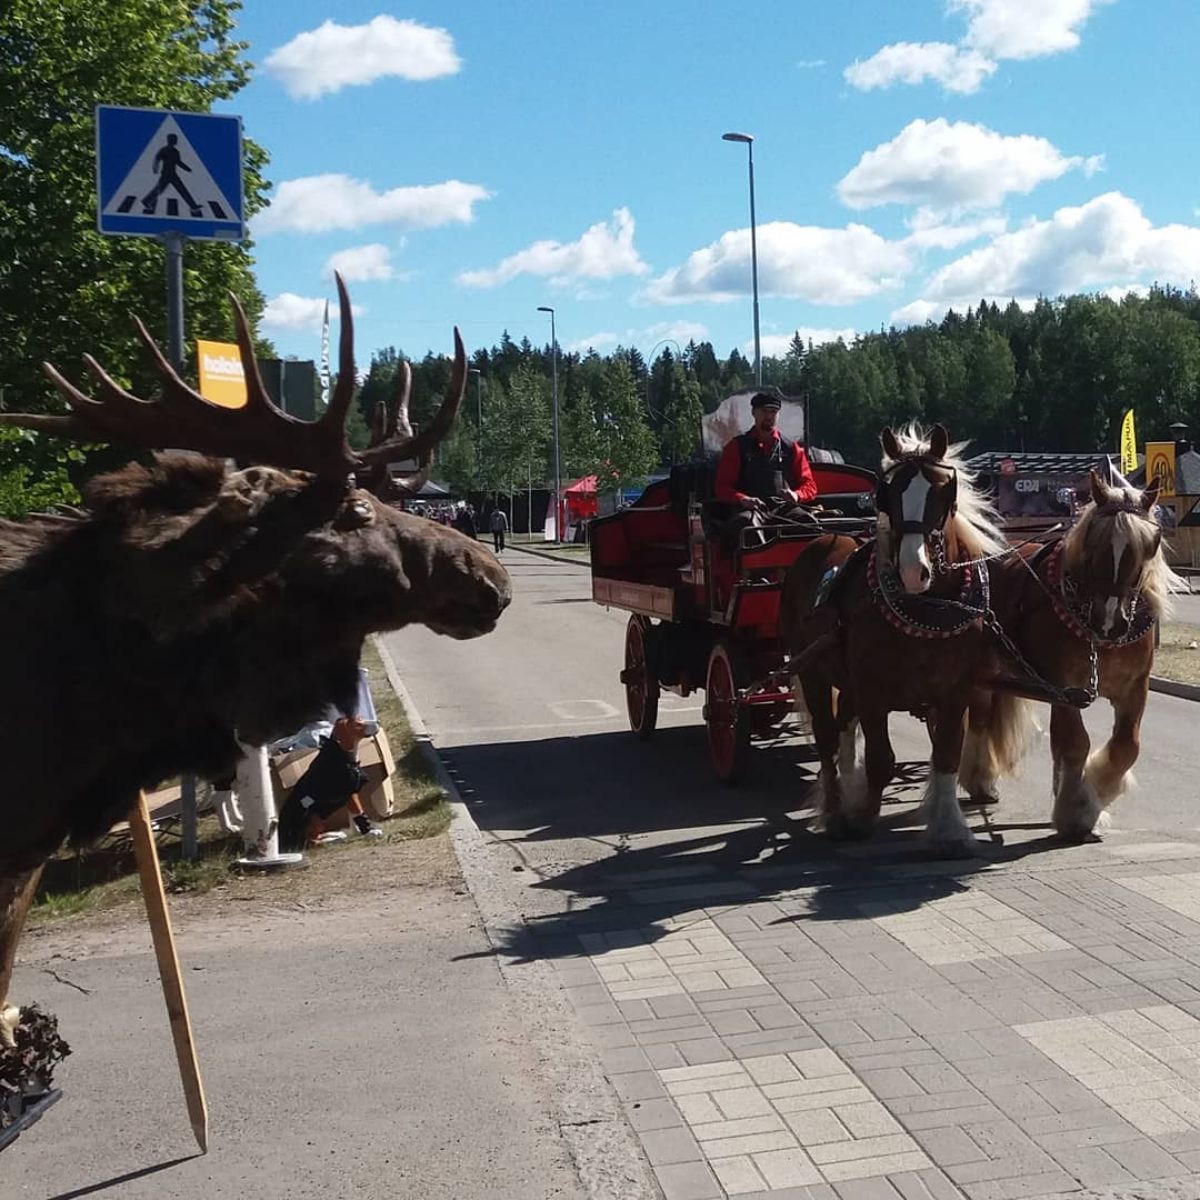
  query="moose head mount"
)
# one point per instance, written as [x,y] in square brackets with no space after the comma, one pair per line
[194,604]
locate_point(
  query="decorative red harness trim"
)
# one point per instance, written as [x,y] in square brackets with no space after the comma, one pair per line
[1138,627]
[974,587]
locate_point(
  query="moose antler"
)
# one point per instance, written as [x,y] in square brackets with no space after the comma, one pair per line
[260,432]
[389,422]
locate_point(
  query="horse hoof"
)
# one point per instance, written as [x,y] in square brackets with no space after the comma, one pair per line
[844,828]
[951,848]
[981,800]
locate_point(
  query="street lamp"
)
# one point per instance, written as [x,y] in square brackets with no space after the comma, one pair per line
[554,390]
[478,425]
[749,140]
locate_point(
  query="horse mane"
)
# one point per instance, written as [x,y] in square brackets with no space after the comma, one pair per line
[977,522]
[1159,581]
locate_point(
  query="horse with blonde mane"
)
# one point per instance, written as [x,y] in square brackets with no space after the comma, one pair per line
[902,620]
[1080,612]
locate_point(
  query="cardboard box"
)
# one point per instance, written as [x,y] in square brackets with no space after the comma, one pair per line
[374,757]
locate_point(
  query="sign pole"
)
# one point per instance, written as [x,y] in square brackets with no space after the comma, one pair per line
[174,245]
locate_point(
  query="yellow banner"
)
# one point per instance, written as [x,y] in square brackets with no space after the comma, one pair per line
[1160,465]
[1128,445]
[222,379]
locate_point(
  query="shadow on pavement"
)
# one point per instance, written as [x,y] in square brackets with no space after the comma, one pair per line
[676,841]
[119,1180]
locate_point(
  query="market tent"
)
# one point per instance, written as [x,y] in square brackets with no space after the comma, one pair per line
[580,499]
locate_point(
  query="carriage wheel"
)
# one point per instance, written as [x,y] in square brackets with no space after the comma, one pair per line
[641,683]
[727,721]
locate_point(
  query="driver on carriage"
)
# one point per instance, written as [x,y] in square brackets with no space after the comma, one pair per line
[761,472]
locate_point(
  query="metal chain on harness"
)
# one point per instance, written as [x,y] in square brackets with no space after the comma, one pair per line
[1075,697]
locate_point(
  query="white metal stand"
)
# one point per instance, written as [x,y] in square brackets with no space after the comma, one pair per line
[260,826]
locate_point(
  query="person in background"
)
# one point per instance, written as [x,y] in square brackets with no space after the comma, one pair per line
[464,522]
[332,781]
[499,524]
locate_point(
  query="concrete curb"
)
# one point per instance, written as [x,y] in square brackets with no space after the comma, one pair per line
[571,562]
[1169,687]
[607,1155]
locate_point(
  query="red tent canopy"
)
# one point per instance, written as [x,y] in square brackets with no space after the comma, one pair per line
[580,499]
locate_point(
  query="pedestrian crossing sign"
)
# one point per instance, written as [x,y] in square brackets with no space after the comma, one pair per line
[169,172]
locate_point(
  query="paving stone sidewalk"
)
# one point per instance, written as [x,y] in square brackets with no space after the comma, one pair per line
[874,1026]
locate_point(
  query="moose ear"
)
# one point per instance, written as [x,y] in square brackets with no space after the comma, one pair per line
[1099,491]
[890,443]
[939,442]
[1150,495]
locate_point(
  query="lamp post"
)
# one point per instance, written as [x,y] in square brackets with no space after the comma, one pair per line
[554,391]
[478,425]
[749,140]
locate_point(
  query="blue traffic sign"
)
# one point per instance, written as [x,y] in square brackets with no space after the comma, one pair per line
[169,172]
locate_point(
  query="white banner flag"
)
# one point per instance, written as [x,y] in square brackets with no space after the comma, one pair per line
[325,358]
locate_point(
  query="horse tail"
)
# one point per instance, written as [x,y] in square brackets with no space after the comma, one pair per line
[1009,730]
[997,736]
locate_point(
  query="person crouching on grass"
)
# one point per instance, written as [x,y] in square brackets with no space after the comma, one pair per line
[332,781]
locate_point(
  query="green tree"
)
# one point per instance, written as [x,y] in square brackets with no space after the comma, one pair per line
[681,427]
[65,289]
[627,441]
[34,472]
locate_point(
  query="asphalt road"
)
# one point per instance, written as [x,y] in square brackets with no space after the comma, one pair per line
[351,1047]
[533,722]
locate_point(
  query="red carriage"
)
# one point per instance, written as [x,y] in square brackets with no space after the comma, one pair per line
[705,601]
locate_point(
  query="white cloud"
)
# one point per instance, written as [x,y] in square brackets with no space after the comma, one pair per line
[335,56]
[603,251]
[1083,248]
[996,30]
[957,70]
[954,165]
[825,266]
[680,331]
[289,311]
[810,64]
[318,203]
[1020,29]
[595,341]
[776,345]
[931,232]
[361,263]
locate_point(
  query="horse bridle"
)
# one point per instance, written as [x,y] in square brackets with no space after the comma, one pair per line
[936,537]
[1116,591]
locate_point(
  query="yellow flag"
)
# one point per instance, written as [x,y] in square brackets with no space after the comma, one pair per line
[1128,445]
[219,365]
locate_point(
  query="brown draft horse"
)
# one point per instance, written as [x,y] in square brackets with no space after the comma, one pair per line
[906,611]
[1081,612]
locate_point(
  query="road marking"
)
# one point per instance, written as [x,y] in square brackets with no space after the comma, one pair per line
[583,710]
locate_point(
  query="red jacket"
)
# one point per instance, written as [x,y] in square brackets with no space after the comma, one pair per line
[729,468]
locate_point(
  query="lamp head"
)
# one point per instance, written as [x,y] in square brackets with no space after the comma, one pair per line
[737,137]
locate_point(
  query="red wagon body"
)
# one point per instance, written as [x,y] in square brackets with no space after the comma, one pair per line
[705,608]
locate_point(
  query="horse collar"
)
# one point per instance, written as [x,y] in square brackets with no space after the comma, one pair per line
[1075,611]
[925,616]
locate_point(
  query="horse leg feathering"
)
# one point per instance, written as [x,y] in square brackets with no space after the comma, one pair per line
[1076,805]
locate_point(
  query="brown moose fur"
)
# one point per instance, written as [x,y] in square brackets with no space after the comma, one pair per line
[192,604]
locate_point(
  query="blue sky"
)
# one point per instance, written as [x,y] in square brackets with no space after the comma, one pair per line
[467,162]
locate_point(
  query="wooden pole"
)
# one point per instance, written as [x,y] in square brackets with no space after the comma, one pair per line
[146,852]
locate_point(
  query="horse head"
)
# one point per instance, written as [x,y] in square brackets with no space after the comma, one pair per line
[918,493]
[1113,557]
